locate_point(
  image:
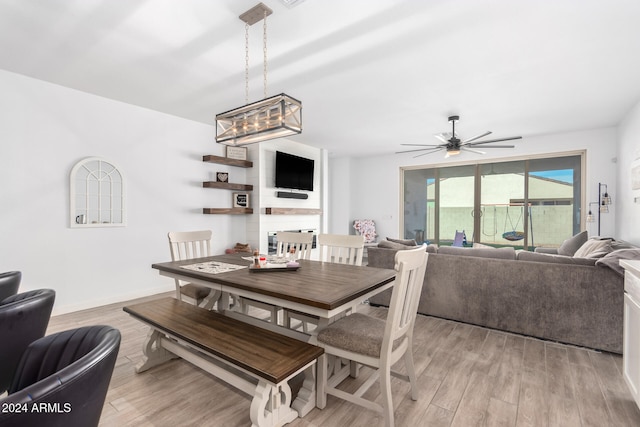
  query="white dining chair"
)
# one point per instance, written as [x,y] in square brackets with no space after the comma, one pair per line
[189,245]
[376,343]
[337,248]
[301,243]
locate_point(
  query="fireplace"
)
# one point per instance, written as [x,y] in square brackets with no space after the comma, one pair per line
[273,238]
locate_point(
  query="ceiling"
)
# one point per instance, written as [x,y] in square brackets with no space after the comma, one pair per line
[371,74]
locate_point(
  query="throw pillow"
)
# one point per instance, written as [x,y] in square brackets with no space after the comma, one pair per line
[593,248]
[612,260]
[393,245]
[406,242]
[572,244]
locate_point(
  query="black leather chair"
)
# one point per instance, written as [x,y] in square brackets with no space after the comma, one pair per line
[23,319]
[9,283]
[65,376]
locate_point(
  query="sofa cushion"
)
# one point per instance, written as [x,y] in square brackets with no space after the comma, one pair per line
[572,244]
[594,248]
[557,259]
[612,260]
[499,253]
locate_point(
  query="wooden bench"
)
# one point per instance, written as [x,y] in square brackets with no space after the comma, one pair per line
[230,349]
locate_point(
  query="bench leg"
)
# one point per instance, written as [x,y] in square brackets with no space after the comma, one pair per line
[306,399]
[271,405]
[154,354]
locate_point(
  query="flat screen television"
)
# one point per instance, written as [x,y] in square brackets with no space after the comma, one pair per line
[294,172]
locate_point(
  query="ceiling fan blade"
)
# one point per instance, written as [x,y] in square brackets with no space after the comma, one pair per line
[496,140]
[442,137]
[425,145]
[430,149]
[493,146]
[433,150]
[476,137]
[472,150]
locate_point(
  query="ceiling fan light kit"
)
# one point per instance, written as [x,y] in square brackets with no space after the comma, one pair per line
[454,146]
[274,117]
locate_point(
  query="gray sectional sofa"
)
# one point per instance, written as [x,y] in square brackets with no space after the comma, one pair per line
[572,300]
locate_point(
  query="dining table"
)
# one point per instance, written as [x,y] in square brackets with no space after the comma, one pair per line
[324,290]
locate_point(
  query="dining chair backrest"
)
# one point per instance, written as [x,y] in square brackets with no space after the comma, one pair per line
[9,283]
[189,244]
[341,248]
[68,370]
[410,266]
[301,242]
[24,318]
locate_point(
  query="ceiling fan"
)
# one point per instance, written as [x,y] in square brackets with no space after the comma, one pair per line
[453,145]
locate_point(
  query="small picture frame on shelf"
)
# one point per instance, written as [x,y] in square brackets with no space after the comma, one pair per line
[240,200]
[222,176]
[237,153]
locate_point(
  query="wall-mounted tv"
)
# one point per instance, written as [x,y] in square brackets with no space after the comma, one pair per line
[294,172]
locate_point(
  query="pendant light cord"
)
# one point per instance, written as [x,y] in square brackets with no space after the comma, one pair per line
[246,58]
[264,48]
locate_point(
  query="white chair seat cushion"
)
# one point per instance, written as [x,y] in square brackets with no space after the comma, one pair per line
[358,333]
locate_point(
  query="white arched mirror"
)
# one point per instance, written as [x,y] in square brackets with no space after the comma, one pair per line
[97,194]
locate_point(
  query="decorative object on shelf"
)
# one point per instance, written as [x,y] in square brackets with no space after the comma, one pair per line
[236,153]
[604,200]
[274,117]
[240,200]
[242,247]
[366,228]
[222,177]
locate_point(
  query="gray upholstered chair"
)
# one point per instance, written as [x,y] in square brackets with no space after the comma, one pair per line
[68,373]
[23,319]
[376,343]
[9,283]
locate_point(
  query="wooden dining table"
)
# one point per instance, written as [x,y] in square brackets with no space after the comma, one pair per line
[322,289]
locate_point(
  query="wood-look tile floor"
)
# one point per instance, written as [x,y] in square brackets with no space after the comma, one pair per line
[467,375]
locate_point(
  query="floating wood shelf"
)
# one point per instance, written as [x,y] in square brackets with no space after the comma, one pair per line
[292,211]
[227,161]
[227,186]
[227,211]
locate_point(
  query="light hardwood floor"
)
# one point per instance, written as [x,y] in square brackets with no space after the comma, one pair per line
[467,375]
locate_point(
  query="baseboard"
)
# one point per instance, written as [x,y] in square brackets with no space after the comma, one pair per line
[110,300]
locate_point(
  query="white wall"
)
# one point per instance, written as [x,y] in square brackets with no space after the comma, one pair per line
[375,181]
[45,129]
[627,209]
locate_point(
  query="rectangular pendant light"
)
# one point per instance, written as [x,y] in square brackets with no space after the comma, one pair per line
[275,117]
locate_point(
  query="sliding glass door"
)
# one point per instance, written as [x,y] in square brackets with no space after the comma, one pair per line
[503,215]
[456,203]
[523,203]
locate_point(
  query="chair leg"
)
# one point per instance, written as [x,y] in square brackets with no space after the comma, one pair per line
[385,391]
[321,392]
[411,372]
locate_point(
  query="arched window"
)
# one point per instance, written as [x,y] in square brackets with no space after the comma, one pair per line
[97,194]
